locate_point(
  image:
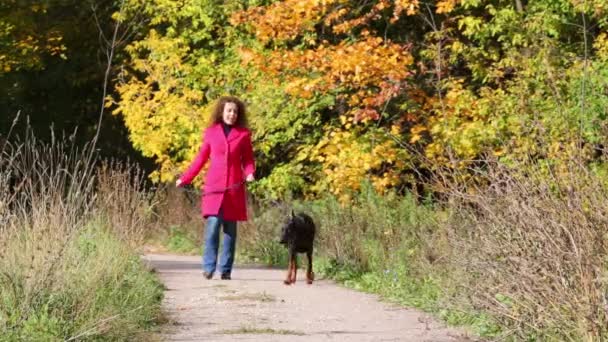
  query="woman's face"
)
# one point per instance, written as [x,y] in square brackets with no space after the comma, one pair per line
[231,113]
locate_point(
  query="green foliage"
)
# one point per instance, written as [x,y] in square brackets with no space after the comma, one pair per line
[180,240]
[258,240]
[331,268]
[285,181]
[525,84]
[268,252]
[41,326]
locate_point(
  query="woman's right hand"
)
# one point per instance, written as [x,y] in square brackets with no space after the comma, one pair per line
[178,183]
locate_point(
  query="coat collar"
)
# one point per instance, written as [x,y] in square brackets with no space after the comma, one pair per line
[235,131]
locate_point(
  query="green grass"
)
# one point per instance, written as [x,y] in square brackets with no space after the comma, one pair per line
[181,240]
[98,290]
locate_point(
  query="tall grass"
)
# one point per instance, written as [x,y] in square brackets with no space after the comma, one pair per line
[67,267]
[124,203]
[534,249]
[178,225]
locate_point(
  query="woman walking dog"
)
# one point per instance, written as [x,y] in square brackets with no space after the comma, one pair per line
[227,142]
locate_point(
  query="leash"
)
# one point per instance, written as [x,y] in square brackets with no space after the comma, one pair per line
[217,191]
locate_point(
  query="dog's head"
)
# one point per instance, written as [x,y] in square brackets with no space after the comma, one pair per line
[288,228]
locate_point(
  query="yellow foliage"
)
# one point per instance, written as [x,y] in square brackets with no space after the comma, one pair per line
[416,133]
[601,45]
[161,113]
[348,159]
[458,128]
[284,20]
[446,6]
[598,7]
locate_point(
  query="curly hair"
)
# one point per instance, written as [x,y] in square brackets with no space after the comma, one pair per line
[217,115]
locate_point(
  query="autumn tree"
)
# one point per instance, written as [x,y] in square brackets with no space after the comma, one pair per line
[381,91]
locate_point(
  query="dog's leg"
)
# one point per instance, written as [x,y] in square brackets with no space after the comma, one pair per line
[287,280]
[310,275]
[295,268]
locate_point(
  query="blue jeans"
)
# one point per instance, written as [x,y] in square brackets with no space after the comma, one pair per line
[212,241]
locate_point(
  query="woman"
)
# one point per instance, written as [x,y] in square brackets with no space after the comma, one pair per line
[227,142]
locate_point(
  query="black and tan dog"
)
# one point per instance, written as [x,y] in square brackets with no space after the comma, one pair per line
[298,234]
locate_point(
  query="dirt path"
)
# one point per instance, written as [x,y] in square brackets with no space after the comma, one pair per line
[256,306]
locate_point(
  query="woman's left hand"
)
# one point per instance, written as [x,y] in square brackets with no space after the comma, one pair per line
[250,178]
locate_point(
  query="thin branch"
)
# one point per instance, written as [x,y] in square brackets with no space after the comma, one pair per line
[102,36]
[111,48]
[585,75]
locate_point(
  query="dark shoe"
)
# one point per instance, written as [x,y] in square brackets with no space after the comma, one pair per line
[207,275]
[225,276]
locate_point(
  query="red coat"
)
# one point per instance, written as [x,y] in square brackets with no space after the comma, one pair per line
[231,161]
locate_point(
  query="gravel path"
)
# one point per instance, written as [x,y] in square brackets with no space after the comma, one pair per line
[256,306]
